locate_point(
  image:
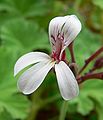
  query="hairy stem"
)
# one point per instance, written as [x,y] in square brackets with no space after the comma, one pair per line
[92,57]
[90,76]
[72,52]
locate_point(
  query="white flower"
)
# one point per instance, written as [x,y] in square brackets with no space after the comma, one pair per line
[62,31]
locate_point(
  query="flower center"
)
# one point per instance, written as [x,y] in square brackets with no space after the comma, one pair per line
[58,47]
[56,58]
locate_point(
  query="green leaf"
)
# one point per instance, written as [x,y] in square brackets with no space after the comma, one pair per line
[90,97]
[23,36]
[85,45]
[15,104]
[99,110]
[98,3]
[4,115]
[24,8]
[85,105]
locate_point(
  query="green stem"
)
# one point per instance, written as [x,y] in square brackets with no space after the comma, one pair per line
[63,111]
[50,100]
[40,103]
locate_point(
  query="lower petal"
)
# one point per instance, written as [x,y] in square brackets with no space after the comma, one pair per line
[32,78]
[67,83]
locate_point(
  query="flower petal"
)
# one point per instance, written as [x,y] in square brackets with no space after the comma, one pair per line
[32,78]
[71,29]
[28,59]
[67,83]
[67,27]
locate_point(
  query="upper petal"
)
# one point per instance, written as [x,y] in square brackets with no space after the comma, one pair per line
[67,83]
[67,27]
[71,29]
[28,59]
[32,78]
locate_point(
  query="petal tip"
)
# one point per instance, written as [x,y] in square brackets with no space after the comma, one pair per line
[70,98]
[22,90]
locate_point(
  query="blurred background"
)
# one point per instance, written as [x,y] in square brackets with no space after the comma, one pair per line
[24,28]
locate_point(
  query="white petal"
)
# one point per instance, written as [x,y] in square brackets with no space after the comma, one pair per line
[28,59]
[69,25]
[32,78]
[67,83]
[55,25]
[71,29]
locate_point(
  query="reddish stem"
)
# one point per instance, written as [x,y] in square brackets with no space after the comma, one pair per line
[72,52]
[90,59]
[93,69]
[90,76]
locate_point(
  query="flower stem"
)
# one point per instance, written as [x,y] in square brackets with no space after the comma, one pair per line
[92,57]
[90,76]
[63,111]
[50,100]
[72,52]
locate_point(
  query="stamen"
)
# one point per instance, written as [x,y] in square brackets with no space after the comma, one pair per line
[60,37]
